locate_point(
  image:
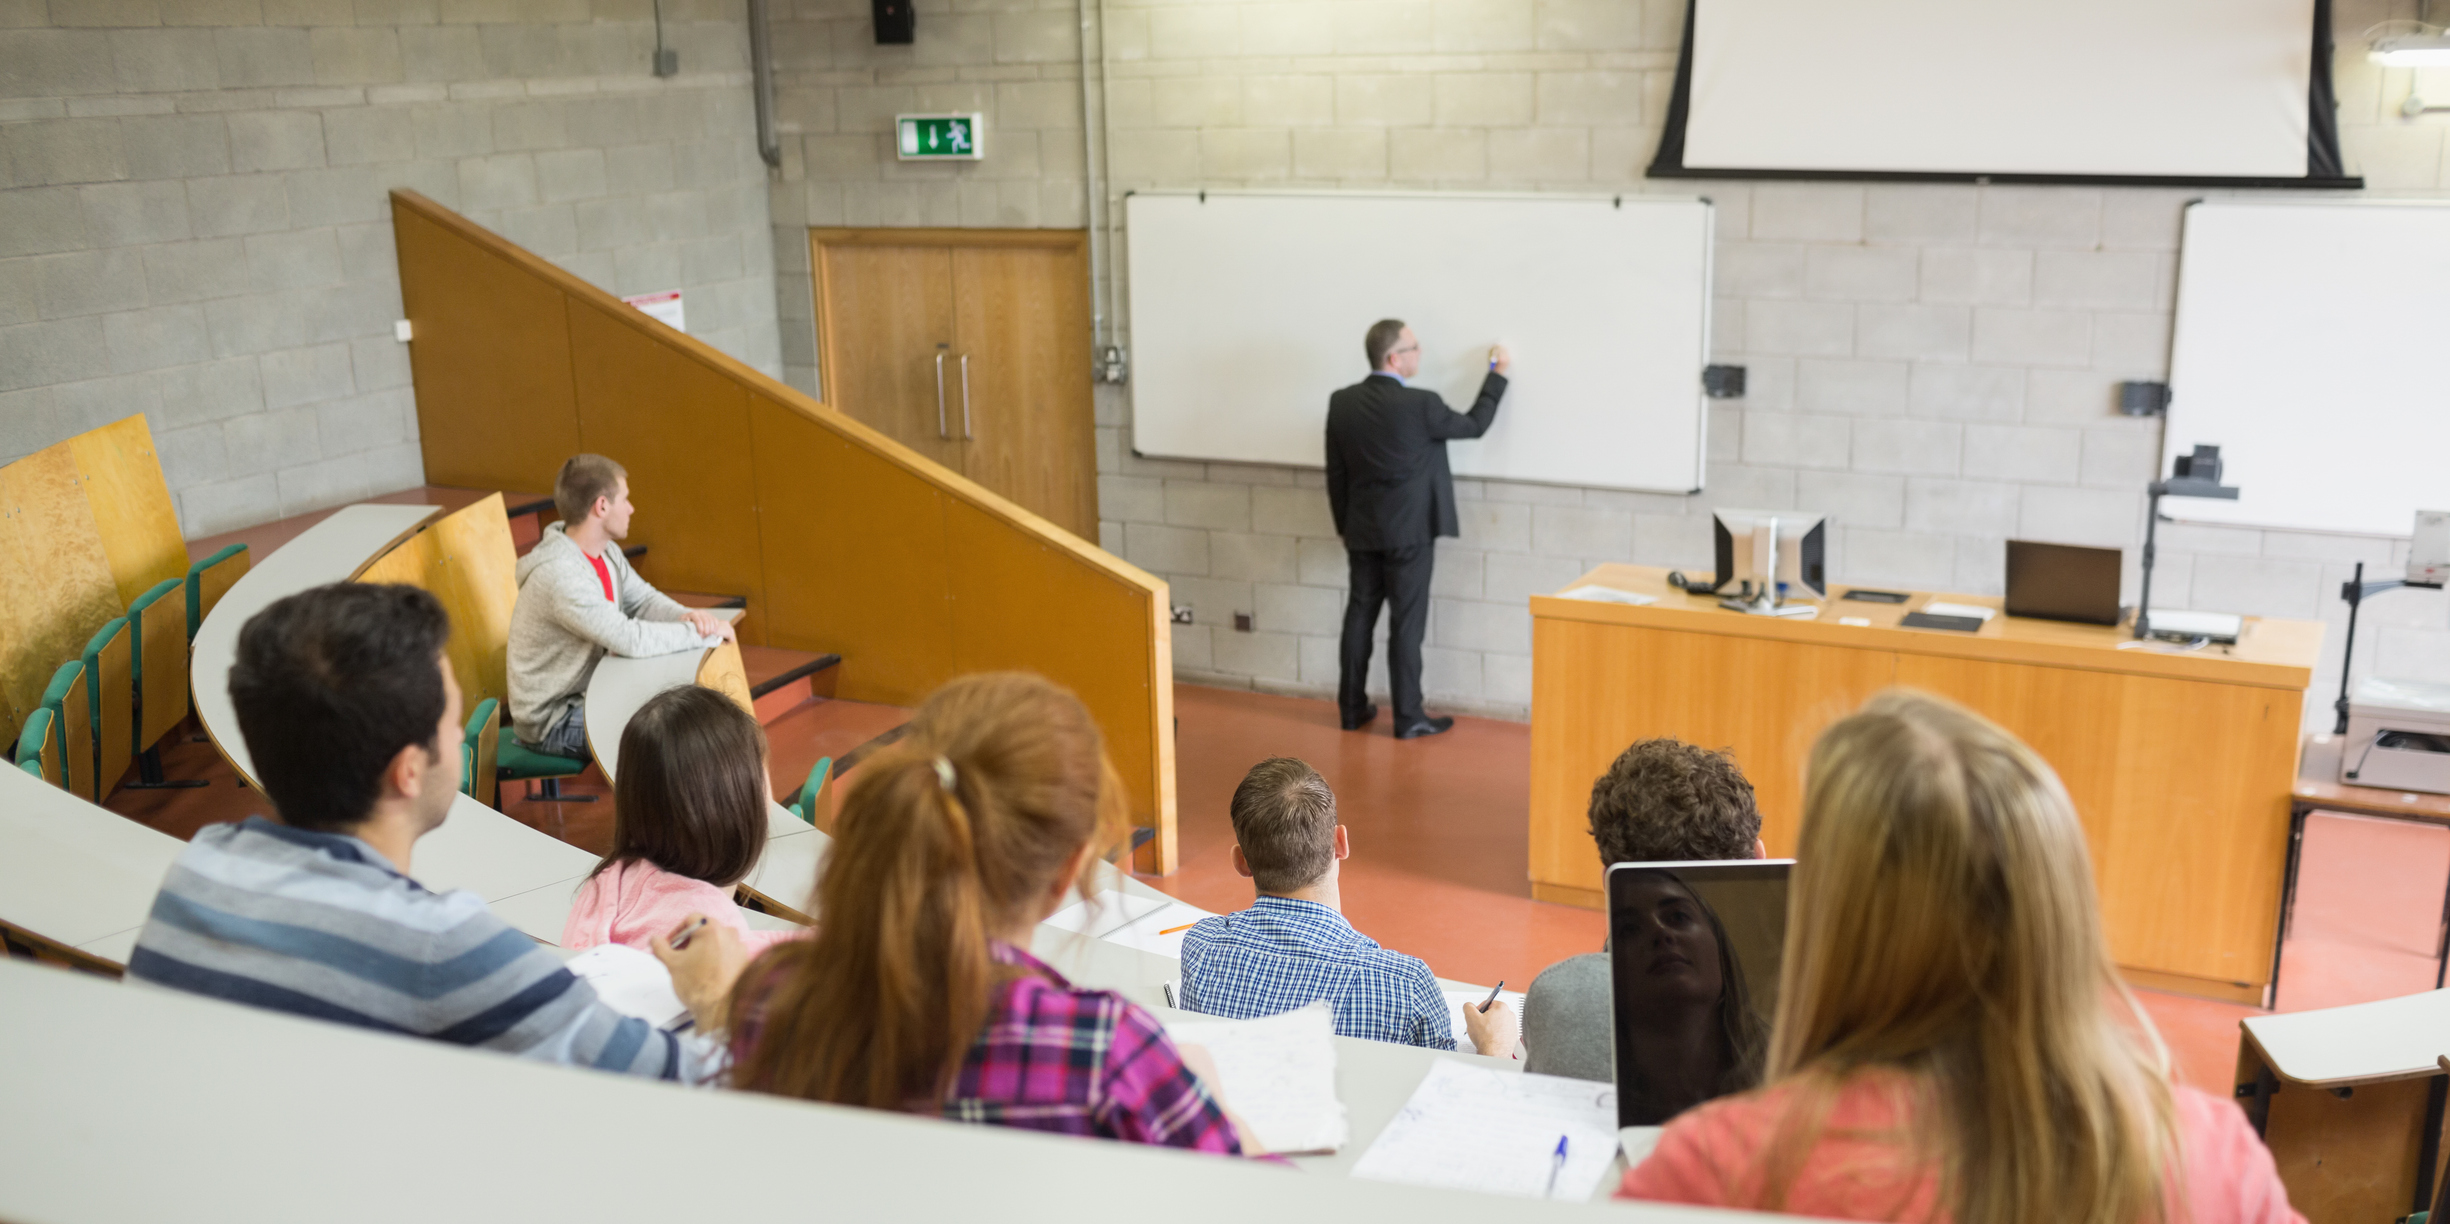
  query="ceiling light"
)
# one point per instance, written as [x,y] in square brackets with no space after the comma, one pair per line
[2430,50]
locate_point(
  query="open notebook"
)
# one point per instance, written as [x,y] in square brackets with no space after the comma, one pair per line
[1149,924]
[1474,1127]
[631,982]
[1278,1074]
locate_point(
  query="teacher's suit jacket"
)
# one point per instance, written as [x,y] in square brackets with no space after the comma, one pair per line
[1387,479]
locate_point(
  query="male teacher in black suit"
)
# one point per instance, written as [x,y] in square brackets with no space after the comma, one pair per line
[1393,496]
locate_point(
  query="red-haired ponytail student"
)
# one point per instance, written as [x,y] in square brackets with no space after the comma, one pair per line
[917,993]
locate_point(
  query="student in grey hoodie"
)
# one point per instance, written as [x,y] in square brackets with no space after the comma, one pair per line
[580,600]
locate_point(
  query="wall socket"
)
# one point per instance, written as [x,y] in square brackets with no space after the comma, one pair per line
[1182,614]
[1242,622]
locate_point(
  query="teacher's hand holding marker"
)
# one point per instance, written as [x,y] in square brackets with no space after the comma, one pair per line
[1499,359]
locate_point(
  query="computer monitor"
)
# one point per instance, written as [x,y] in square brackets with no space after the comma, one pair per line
[2063,582]
[1693,949]
[1766,557]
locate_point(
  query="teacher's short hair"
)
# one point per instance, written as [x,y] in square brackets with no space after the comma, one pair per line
[1383,335]
[1285,821]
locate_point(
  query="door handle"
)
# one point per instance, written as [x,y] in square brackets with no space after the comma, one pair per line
[965,397]
[940,430]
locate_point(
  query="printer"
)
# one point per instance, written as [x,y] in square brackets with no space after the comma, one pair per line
[2398,736]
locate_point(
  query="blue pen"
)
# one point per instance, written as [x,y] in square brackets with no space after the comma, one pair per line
[1556,1165]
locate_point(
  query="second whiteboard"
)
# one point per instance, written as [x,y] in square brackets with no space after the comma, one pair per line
[1248,309]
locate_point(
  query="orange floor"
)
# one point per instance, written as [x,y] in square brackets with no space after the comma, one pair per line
[1439,833]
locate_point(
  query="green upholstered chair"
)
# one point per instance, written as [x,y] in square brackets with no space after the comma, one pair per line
[73,717]
[208,580]
[39,743]
[110,695]
[516,762]
[482,741]
[811,791]
[159,670]
[33,767]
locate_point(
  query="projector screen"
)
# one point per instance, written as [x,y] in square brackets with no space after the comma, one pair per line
[2193,91]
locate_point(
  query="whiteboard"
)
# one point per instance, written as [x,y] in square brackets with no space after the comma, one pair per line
[2196,88]
[2311,346]
[1248,309]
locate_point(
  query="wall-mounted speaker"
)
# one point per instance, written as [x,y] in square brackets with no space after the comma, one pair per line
[895,21]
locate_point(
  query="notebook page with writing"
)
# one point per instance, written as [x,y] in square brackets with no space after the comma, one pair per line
[1279,1075]
[1457,1000]
[1476,1128]
[630,982]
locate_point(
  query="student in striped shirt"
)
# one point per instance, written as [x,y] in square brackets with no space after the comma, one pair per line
[351,713]
[916,993]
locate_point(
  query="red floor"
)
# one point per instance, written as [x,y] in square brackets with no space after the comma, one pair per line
[1439,832]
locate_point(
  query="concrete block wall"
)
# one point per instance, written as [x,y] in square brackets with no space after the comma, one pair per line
[194,219]
[1934,365]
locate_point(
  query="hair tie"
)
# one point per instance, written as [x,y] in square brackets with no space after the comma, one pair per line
[944,774]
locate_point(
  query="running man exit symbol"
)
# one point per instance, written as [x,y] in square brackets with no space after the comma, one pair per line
[940,137]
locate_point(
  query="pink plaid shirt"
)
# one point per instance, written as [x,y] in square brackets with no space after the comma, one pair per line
[1076,1062]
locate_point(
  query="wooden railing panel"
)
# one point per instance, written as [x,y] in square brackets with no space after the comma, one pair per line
[855,558]
[130,499]
[680,427]
[1081,639]
[56,585]
[496,407]
[843,540]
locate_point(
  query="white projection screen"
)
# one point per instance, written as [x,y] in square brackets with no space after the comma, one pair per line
[2062,88]
[1248,309]
[2308,347]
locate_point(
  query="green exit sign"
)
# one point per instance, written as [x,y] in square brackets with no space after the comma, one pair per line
[941,137]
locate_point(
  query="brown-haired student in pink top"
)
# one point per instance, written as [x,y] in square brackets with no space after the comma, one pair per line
[1952,1042]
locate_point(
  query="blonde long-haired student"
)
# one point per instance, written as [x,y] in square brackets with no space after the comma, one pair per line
[1952,1041]
[917,993]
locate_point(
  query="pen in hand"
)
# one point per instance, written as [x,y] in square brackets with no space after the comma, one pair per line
[1484,1003]
[680,938]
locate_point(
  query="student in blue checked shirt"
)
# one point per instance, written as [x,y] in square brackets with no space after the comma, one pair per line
[1292,947]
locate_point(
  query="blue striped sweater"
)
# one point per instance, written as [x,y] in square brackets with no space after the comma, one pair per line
[319,924]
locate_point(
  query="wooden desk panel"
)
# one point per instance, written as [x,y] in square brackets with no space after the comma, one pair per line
[1596,688]
[2179,762]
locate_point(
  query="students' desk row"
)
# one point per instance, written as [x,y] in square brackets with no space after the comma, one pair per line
[2350,1100]
[527,876]
[2179,761]
[387,1128]
[73,873]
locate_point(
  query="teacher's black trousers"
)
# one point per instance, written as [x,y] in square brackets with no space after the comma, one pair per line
[1397,576]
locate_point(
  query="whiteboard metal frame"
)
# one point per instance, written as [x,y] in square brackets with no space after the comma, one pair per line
[1705,305]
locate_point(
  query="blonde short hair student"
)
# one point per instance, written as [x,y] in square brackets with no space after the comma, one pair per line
[1952,1041]
[917,993]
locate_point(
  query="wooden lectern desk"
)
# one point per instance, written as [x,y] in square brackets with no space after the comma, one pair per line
[2180,761]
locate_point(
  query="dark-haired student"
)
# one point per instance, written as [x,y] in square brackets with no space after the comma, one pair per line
[1292,947]
[1662,801]
[689,820]
[917,993]
[351,713]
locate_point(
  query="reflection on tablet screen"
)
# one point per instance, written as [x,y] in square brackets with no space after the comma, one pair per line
[1694,950]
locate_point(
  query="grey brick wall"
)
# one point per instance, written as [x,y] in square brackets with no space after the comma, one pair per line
[1934,365]
[194,222]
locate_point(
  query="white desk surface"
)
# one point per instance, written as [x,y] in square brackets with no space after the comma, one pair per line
[94,1071]
[2362,1043]
[75,873]
[620,685]
[329,551]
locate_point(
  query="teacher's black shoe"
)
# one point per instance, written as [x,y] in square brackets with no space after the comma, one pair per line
[1426,726]
[1355,723]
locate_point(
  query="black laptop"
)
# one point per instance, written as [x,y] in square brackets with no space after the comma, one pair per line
[2063,582]
[1693,949]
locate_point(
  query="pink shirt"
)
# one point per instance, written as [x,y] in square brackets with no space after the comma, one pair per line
[630,903]
[1709,1156]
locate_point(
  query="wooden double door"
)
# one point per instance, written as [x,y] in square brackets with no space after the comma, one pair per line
[971,347]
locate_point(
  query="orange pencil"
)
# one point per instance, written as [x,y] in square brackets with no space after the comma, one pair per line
[1184,927]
